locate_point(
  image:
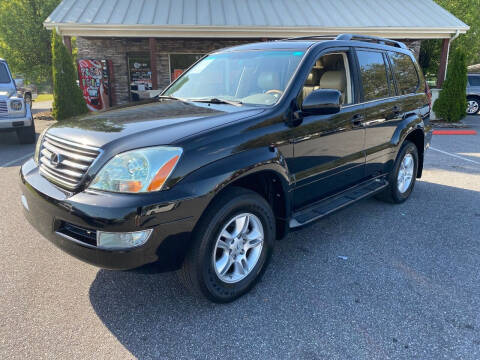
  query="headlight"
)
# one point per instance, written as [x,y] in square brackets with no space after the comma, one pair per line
[16,105]
[38,147]
[7,93]
[138,171]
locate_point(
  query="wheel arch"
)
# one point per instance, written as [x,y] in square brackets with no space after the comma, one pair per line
[417,137]
[271,186]
[411,129]
[261,170]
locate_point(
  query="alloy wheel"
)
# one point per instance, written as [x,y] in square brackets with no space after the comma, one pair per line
[405,173]
[238,247]
[472,107]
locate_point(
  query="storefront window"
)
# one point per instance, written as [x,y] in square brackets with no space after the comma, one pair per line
[140,76]
[181,62]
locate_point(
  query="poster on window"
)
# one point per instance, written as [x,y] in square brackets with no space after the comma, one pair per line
[94,79]
[140,74]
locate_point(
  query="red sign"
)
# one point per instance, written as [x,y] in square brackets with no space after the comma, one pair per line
[177,73]
[94,84]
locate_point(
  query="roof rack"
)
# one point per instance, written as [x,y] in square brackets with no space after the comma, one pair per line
[366,38]
[311,37]
[347,37]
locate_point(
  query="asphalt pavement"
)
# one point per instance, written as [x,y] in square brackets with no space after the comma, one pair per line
[373,281]
[11,152]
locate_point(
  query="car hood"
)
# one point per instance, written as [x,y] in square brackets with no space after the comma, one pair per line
[7,87]
[153,123]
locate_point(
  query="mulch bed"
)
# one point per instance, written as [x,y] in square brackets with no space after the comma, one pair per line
[440,124]
[44,116]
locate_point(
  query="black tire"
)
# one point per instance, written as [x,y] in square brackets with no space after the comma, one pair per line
[198,273]
[475,105]
[26,135]
[392,194]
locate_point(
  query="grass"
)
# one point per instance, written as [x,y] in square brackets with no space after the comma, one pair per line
[44,97]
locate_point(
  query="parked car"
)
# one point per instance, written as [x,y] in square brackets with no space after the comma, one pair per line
[14,115]
[473,94]
[250,142]
[27,91]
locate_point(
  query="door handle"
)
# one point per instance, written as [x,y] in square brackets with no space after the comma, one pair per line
[357,120]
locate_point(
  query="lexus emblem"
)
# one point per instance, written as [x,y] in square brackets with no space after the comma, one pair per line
[55,159]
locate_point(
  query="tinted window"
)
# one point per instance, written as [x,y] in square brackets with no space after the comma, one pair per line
[405,72]
[474,80]
[4,76]
[374,75]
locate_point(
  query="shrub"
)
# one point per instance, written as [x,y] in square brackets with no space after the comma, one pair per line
[452,101]
[68,100]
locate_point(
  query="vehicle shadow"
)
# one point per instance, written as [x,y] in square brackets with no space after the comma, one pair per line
[322,294]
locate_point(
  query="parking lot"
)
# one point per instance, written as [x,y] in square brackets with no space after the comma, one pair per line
[373,281]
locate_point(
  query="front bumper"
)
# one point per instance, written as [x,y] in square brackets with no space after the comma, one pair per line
[12,123]
[47,207]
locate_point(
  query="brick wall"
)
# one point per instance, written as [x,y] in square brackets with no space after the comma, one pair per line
[116,50]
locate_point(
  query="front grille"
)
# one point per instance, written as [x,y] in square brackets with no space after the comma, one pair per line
[64,162]
[3,108]
[78,233]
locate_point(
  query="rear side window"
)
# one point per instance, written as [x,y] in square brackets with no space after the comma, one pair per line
[474,80]
[374,75]
[405,72]
[4,76]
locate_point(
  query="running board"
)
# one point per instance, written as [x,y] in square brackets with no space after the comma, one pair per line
[337,202]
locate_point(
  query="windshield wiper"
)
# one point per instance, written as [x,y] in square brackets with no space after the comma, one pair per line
[219,101]
[169,97]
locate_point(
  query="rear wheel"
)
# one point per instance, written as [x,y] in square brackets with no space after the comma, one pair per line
[26,135]
[473,105]
[232,245]
[403,176]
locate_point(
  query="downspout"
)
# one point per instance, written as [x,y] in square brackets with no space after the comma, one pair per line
[457,34]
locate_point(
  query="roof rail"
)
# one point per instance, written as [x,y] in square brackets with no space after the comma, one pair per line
[311,37]
[367,38]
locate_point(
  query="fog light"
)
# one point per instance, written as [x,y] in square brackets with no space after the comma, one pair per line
[110,240]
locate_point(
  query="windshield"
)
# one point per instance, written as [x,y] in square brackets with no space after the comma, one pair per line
[250,77]
[4,75]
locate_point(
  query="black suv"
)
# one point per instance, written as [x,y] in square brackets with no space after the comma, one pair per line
[248,143]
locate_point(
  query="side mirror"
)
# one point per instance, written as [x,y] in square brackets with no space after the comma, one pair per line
[322,102]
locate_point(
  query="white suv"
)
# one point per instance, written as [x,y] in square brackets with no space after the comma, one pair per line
[14,115]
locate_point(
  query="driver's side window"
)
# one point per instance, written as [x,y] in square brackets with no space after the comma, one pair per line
[330,71]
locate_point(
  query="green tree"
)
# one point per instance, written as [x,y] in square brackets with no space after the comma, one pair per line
[468,12]
[68,99]
[452,102]
[24,42]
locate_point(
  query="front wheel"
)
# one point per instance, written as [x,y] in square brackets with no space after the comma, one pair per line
[232,245]
[403,176]
[26,135]
[473,105]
